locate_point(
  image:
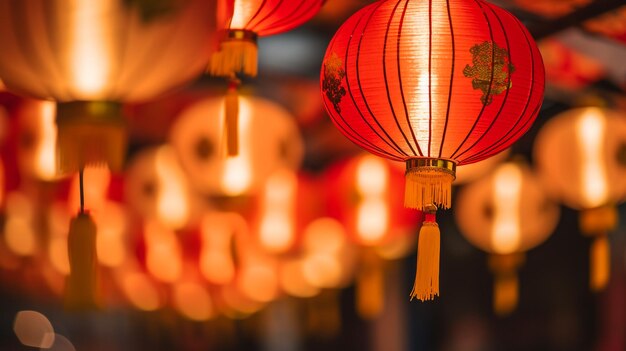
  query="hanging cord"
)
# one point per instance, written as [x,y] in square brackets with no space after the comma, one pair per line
[81,190]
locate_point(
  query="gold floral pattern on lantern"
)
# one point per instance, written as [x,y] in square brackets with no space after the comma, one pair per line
[491,70]
[333,74]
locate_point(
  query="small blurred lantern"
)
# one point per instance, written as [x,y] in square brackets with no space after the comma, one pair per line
[405,81]
[506,214]
[581,157]
[270,140]
[238,47]
[363,194]
[89,56]
[37,139]
[156,187]
[474,171]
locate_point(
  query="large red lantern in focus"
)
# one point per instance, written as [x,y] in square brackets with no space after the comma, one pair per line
[435,84]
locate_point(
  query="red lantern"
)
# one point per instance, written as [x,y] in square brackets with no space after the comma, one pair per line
[436,84]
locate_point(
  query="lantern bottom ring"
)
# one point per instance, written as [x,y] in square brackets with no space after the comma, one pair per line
[429,183]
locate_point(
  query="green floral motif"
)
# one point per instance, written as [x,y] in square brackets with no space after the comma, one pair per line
[483,73]
[333,75]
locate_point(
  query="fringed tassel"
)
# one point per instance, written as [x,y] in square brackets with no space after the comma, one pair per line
[234,56]
[426,285]
[370,287]
[424,187]
[505,294]
[90,133]
[600,263]
[231,115]
[81,288]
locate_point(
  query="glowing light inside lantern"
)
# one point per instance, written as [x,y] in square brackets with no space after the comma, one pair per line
[89,46]
[507,192]
[276,231]
[590,132]
[243,12]
[163,253]
[45,152]
[172,202]
[237,176]
[372,211]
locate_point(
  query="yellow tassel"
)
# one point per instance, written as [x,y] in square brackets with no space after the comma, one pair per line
[90,133]
[234,56]
[231,114]
[428,181]
[600,263]
[81,285]
[426,285]
[370,287]
[505,294]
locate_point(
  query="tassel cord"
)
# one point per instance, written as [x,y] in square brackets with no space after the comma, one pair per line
[81,189]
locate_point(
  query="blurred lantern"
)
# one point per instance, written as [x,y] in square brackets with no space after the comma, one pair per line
[363,194]
[286,204]
[581,156]
[238,47]
[218,233]
[269,137]
[37,140]
[89,57]
[506,214]
[400,81]
[474,171]
[156,187]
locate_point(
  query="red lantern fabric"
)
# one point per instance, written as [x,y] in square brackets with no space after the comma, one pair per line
[458,80]
[436,84]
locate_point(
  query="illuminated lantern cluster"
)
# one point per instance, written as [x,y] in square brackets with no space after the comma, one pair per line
[506,214]
[435,84]
[581,159]
[238,47]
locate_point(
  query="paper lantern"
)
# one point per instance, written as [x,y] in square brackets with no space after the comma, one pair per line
[252,19]
[90,56]
[435,84]
[581,158]
[270,140]
[238,48]
[506,214]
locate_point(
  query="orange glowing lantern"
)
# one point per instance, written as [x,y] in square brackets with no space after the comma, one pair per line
[90,56]
[156,188]
[38,135]
[435,84]
[270,140]
[581,156]
[506,214]
[238,48]
[361,195]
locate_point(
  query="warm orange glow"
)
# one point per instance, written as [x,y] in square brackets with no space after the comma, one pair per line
[89,48]
[322,270]
[45,151]
[33,329]
[163,252]
[238,305]
[95,184]
[216,262]
[244,10]
[259,281]
[372,212]
[506,199]
[590,131]
[293,282]
[59,225]
[237,176]
[111,224]
[276,231]
[19,234]
[173,200]
[193,301]
[324,235]
[139,290]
